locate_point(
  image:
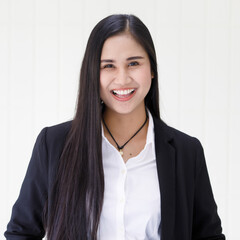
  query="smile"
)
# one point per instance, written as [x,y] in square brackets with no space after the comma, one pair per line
[123,94]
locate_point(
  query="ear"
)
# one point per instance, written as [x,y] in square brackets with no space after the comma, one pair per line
[152,75]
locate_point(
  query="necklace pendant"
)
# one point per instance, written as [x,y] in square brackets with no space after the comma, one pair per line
[121,152]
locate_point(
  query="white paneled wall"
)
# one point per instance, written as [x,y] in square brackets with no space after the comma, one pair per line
[41,48]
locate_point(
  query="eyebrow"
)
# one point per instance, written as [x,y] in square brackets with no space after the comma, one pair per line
[135,57]
[128,59]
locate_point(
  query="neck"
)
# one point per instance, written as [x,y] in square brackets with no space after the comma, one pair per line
[123,125]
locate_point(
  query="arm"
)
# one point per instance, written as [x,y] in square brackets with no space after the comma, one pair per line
[206,222]
[27,214]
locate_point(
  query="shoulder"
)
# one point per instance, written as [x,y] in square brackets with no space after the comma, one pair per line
[175,137]
[187,150]
[49,146]
[52,138]
[57,132]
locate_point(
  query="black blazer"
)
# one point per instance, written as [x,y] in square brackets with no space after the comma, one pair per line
[188,209]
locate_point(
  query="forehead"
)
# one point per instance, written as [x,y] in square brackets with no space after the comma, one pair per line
[121,45]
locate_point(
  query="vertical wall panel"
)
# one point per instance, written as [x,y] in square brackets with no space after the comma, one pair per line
[233,208]
[15,73]
[217,97]
[4,64]
[167,37]
[71,51]
[192,77]
[20,91]
[47,63]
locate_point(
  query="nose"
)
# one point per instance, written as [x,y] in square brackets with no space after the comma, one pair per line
[122,77]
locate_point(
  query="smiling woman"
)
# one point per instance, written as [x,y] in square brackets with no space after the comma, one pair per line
[125,77]
[116,171]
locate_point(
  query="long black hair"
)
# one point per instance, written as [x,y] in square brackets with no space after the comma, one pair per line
[77,196]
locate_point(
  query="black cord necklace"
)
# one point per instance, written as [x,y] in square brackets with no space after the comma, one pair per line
[120,148]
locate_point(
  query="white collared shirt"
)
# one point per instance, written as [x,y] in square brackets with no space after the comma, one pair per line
[131,207]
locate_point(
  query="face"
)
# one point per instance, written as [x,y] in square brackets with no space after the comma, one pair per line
[125,74]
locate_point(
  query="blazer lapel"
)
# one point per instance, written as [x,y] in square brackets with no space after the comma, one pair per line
[165,158]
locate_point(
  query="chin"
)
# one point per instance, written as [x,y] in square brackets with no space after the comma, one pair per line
[124,110]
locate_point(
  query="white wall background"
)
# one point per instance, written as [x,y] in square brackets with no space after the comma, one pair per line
[197,42]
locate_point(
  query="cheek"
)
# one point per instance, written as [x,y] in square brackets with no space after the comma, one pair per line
[145,78]
[104,78]
[147,85]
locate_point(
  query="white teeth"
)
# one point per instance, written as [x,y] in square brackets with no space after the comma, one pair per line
[123,92]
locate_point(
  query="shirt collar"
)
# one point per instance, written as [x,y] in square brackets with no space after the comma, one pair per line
[150,131]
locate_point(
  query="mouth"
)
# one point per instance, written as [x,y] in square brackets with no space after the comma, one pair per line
[123,94]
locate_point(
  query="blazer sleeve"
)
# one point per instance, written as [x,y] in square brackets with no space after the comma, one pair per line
[26,222]
[206,222]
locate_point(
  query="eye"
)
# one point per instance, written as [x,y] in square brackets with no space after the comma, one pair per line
[132,64]
[108,66]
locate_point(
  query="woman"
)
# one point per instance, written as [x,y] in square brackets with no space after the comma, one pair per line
[116,171]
